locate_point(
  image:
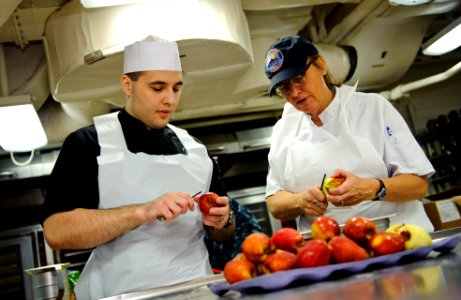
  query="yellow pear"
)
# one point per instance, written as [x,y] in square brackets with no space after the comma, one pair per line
[415,236]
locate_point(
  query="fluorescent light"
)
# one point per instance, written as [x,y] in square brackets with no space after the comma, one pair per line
[408,2]
[446,40]
[103,3]
[20,127]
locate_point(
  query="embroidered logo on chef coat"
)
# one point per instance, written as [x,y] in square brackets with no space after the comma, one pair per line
[389,131]
[274,60]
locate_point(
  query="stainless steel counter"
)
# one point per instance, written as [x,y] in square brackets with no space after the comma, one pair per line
[436,277]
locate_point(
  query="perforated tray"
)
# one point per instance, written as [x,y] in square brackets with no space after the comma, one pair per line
[285,279]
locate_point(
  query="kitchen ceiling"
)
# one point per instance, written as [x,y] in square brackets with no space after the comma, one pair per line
[74,54]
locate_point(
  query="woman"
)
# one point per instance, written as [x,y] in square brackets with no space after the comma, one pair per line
[331,129]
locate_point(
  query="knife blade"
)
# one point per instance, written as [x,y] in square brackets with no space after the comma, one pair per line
[323,180]
[196,194]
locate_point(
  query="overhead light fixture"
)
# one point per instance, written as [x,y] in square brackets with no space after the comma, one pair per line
[20,127]
[103,3]
[446,40]
[408,2]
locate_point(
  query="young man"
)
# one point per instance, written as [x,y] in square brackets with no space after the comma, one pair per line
[124,186]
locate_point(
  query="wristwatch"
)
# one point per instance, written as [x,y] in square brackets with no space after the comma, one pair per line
[230,221]
[381,192]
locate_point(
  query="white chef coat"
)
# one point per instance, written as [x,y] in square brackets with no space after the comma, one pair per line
[372,122]
[151,255]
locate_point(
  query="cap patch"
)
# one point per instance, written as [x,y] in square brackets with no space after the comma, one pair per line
[274,60]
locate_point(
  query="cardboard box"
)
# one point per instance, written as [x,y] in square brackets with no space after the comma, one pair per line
[443,209]
[444,214]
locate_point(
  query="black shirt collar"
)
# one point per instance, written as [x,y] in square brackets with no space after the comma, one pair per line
[151,141]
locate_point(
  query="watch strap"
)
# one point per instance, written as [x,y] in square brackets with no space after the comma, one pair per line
[230,221]
[381,192]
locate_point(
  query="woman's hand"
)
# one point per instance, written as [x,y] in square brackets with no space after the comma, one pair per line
[286,205]
[313,202]
[353,190]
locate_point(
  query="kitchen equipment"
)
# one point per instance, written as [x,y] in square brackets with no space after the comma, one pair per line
[254,199]
[49,282]
[20,248]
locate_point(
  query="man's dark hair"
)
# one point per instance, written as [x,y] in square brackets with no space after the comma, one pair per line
[134,75]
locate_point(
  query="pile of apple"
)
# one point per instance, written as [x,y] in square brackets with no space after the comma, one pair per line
[287,249]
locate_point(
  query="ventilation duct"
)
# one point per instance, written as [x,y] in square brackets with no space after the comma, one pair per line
[84,47]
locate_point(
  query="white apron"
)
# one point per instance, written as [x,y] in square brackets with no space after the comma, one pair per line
[154,255]
[302,164]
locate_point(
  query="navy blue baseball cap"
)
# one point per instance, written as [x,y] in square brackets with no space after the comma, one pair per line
[286,58]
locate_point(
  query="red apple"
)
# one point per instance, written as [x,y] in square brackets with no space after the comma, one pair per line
[257,246]
[343,249]
[360,230]
[240,256]
[207,201]
[324,228]
[314,253]
[281,260]
[288,239]
[383,243]
[238,270]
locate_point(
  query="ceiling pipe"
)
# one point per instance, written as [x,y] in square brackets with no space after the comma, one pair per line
[378,11]
[403,89]
[4,85]
[362,10]
[8,7]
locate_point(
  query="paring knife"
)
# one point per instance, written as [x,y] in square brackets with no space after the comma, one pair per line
[196,194]
[323,180]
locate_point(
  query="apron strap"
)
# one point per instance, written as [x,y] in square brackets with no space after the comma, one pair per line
[343,104]
[347,98]
[108,141]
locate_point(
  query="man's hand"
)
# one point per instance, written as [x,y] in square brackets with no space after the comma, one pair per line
[167,207]
[217,216]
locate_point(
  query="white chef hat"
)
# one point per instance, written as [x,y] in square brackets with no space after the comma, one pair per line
[151,55]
